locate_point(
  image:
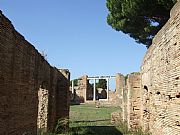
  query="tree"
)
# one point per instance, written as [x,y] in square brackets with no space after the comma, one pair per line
[75,82]
[102,84]
[140,19]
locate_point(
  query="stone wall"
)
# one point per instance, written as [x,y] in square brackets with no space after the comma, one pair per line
[23,74]
[115,97]
[84,93]
[161,80]
[80,91]
[120,87]
[151,99]
[130,103]
[133,100]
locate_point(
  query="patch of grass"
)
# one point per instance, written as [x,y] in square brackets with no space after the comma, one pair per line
[86,119]
[122,126]
[41,132]
[89,115]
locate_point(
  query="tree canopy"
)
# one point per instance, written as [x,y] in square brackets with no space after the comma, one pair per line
[75,82]
[140,19]
[102,84]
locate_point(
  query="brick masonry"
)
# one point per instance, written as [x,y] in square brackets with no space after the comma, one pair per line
[23,74]
[151,99]
[81,89]
[133,100]
[161,80]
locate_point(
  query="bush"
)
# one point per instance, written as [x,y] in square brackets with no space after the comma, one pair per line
[62,126]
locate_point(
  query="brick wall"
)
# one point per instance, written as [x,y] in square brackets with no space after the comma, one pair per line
[81,91]
[23,72]
[161,80]
[133,100]
[115,97]
[130,102]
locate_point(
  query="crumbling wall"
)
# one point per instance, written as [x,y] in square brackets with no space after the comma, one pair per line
[161,80]
[130,102]
[152,99]
[120,87]
[133,101]
[115,97]
[24,72]
[81,91]
[120,84]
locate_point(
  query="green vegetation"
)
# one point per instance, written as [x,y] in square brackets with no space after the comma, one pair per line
[101,84]
[89,115]
[89,120]
[75,82]
[140,19]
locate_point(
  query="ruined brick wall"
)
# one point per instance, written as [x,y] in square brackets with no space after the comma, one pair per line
[130,102]
[161,80]
[133,100]
[120,84]
[23,72]
[62,94]
[80,94]
[115,97]
[120,87]
[84,92]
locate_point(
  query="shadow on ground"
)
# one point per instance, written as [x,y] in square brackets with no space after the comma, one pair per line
[91,120]
[97,130]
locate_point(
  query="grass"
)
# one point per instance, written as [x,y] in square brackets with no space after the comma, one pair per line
[92,120]
[89,115]
[86,119]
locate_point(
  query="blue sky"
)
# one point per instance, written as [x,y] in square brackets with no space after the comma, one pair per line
[74,35]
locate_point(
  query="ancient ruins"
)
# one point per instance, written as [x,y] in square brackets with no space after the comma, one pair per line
[83,93]
[33,94]
[160,80]
[151,99]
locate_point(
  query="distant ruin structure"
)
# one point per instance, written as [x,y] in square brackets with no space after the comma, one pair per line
[85,93]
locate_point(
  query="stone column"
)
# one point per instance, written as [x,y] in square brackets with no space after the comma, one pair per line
[72,87]
[94,94]
[85,87]
[121,92]
[107,88]
[120,84]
